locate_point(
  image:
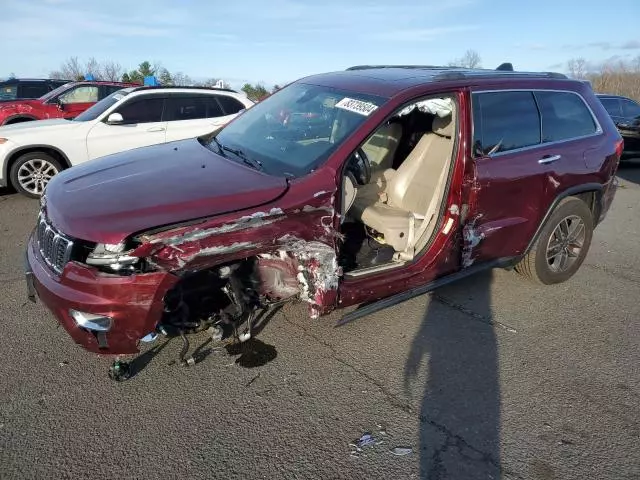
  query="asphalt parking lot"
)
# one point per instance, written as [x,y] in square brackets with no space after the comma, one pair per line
[488,378]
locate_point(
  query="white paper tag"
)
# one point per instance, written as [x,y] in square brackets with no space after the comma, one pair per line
[356,106]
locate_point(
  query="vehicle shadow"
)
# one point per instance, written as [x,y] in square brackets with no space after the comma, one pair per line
[629,170]
[460,407]
[6,191]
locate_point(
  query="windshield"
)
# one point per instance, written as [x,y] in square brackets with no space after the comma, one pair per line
[55,92]
[102,106]
[296,129]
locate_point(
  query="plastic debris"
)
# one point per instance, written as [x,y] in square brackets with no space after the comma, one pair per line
[401,451]
[366,440]
[382,429]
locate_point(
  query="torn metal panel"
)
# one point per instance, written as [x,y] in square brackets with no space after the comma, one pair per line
[472,237]
[188,234]
[303,264]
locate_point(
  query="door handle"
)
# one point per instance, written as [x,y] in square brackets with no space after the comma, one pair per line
[549,159]
[156,129]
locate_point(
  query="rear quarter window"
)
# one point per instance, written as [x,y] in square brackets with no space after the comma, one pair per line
[630,109]
[229,104]
[564,116]
[185,108]
[504,121]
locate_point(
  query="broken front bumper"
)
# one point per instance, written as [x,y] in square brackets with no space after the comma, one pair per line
[134,303]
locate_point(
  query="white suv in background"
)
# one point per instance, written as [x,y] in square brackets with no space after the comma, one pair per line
[32,152]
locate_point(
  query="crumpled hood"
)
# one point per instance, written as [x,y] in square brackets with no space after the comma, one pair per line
[51,124]
[108,199]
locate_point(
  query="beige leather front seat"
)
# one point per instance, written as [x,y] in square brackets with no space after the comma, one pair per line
[382,145]
[397,199]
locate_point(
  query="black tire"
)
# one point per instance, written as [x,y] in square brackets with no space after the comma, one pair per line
[43,166]
[539,264]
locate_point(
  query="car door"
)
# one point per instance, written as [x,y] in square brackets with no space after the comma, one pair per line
[141,126]
[505,191]
[76,100]
[525,142]
[189,115]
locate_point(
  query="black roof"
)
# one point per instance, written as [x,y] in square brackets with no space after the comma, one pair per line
[18,80]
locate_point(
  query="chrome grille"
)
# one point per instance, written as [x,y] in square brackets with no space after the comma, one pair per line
[54,247]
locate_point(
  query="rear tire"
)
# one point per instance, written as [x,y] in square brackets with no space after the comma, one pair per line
[561,246]
[32,171]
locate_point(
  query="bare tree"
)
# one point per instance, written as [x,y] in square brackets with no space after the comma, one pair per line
[111,71]
[71,69]
[577,68]
[181,79]
[614,76]
[471,59]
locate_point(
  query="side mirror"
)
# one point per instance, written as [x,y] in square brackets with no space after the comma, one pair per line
[114,119]
[59,104]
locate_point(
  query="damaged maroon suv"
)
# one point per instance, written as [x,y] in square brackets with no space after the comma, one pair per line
[392,181]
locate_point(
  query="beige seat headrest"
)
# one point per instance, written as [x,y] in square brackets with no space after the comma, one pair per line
[443,126]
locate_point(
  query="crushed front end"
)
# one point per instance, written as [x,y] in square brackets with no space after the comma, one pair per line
[218,275]
[104,313]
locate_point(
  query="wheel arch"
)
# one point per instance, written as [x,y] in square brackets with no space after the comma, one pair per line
[590,193]
[18,152]
[19,116]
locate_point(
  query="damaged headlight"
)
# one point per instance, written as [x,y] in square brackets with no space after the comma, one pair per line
[113,256]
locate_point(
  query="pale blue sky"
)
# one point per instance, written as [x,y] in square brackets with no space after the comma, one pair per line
[276,41]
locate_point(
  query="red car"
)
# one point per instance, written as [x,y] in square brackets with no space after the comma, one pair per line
[66,101]
[422,176]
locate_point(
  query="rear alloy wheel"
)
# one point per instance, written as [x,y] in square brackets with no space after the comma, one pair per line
[562,245]
[31,173]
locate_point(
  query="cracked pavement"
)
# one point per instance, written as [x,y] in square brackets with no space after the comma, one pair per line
[491,377]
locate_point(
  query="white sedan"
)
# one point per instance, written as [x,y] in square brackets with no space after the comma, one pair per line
[33,152]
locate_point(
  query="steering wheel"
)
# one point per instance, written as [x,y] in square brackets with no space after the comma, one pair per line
[360,167]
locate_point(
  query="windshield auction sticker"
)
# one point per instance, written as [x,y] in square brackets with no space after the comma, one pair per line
[356,106]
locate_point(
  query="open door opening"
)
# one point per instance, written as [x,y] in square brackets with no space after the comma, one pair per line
[395,184]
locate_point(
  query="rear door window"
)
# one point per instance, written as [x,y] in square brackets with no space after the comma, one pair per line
[504,121]
[612,106]
[230,104]
[564,116]
[32,89]
[185,108]
[142,110]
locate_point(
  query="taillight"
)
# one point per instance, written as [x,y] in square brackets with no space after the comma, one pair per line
[619,147]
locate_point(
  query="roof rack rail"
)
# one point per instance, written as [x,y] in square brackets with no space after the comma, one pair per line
[418,67]
[453,73]
[195,87]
